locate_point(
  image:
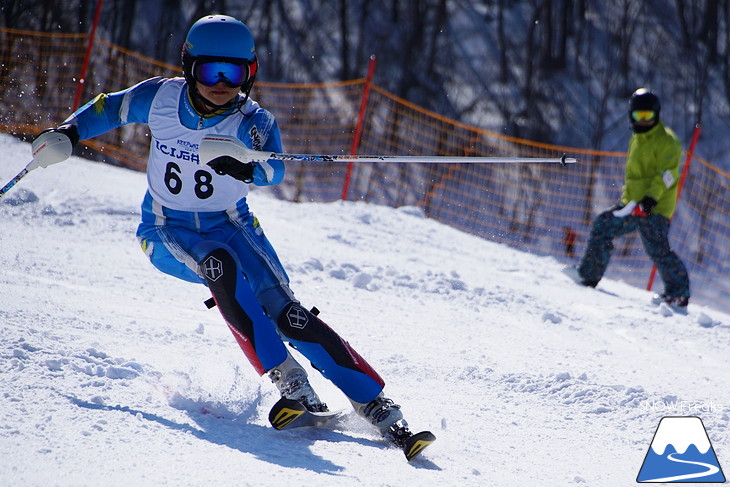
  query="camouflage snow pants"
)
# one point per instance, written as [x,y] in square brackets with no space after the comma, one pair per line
[654,230]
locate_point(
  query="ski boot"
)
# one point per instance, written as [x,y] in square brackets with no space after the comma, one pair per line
[292,382]
[572,272]
[386,416]
[676,303]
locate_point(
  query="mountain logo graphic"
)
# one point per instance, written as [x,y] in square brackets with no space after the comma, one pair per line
[680,452]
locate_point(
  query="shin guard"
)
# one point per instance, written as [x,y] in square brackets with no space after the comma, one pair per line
[254,331]
[330,354]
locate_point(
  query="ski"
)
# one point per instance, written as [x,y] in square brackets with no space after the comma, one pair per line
[289,414]
[416,443]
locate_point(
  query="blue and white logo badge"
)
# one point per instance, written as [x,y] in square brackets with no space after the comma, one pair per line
[681,452]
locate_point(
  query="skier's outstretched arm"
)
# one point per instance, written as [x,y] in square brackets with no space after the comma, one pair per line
[104,112]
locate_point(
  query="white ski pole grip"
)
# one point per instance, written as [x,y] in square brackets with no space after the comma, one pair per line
[50,147]
[214,146]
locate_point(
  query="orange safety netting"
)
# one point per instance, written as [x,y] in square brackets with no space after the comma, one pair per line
[540,208]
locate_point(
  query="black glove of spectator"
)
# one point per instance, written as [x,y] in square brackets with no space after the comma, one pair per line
[647,204]
[243,171]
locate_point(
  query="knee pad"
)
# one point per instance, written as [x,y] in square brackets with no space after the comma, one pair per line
[328,352]
[219,268]
[299,324]
[254,331]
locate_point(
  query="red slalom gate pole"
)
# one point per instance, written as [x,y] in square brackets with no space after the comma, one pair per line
[680,184]
[358,128]
[87,56]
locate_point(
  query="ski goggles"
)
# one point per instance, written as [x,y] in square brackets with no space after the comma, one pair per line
[232,74]
[643,115]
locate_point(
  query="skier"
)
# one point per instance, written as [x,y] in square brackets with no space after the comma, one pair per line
[196,224]
[647,204]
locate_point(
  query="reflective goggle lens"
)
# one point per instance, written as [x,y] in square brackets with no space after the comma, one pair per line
[643,115]
[211,73]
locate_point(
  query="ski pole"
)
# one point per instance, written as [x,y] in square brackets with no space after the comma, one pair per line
[563,160]
[29,167]
[213,146]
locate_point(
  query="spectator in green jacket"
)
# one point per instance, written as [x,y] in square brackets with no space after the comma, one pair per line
[647,203]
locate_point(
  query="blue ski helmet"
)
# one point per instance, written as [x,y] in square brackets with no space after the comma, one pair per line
[219,38]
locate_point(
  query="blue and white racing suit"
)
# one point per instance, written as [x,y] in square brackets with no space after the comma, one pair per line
[196,225]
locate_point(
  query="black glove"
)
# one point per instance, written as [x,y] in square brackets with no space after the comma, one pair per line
[647,204]
[66,129]
[243,171]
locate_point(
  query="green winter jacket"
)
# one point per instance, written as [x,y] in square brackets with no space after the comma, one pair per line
[652,169]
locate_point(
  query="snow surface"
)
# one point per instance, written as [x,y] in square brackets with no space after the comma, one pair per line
[112,373]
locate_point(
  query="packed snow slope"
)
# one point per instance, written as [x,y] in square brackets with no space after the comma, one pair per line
[114,374]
